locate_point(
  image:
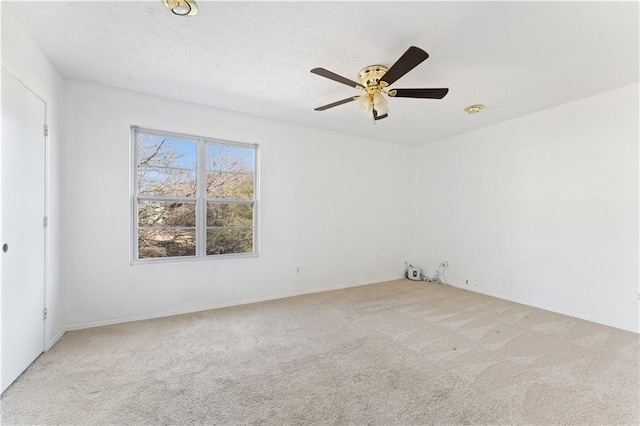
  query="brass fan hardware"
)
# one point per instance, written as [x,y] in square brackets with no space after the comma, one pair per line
[372,74]
[370,77]
[374,79]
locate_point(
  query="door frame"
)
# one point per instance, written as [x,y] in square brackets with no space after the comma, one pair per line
[35,92]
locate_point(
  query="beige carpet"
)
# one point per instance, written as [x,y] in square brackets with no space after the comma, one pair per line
[393,353]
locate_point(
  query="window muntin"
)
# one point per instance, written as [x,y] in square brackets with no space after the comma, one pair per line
[193,197]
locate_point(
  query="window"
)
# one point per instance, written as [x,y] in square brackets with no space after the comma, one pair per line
[192,197]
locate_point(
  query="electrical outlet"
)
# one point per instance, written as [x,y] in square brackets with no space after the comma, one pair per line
[298,270]
[467,282]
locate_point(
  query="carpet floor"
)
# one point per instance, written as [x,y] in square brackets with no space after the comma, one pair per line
[399,352]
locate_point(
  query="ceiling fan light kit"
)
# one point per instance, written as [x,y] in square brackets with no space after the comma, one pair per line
[181,7]
[374,80]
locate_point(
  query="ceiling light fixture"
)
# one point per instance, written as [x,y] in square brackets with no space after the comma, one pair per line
[375,80]
[181,7]
[473,109]
[372,103]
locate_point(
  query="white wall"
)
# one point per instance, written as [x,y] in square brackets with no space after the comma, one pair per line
[26,60]
[542,209]
[330,203]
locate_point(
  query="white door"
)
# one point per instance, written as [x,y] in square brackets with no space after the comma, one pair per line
[21,230]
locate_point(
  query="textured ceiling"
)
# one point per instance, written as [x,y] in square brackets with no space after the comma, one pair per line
[255,57]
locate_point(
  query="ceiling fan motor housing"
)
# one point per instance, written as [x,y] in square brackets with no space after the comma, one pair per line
[371,75]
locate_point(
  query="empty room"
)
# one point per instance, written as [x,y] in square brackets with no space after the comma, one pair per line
[292,213]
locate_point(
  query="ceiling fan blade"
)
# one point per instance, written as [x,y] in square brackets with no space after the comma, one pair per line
[335,77]
[408,61]
[420,93]
[377,117]
[344,101]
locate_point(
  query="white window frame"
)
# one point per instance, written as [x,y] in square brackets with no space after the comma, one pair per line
[201,199]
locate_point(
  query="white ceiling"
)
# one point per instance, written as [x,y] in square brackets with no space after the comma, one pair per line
[255,57]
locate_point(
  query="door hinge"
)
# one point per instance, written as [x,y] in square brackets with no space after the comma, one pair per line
[45,221]
[44,314]
[46,130]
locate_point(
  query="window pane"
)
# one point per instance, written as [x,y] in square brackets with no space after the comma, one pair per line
[227,241]
[166,243]
[166,182]
[160,151]
[230,172]
[229,214]
[161,213]
[166,167]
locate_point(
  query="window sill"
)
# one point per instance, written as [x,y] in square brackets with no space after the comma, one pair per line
[187,259]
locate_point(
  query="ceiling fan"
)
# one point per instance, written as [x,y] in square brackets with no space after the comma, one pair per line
[374,82]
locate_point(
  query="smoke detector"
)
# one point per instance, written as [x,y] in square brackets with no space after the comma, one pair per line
[473,109]
[181,7]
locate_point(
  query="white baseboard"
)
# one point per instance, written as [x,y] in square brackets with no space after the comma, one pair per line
[54,340]
[553,309]
[216,306]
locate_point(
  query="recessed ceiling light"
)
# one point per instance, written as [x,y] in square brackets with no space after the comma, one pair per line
[181,7]
[473,109]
